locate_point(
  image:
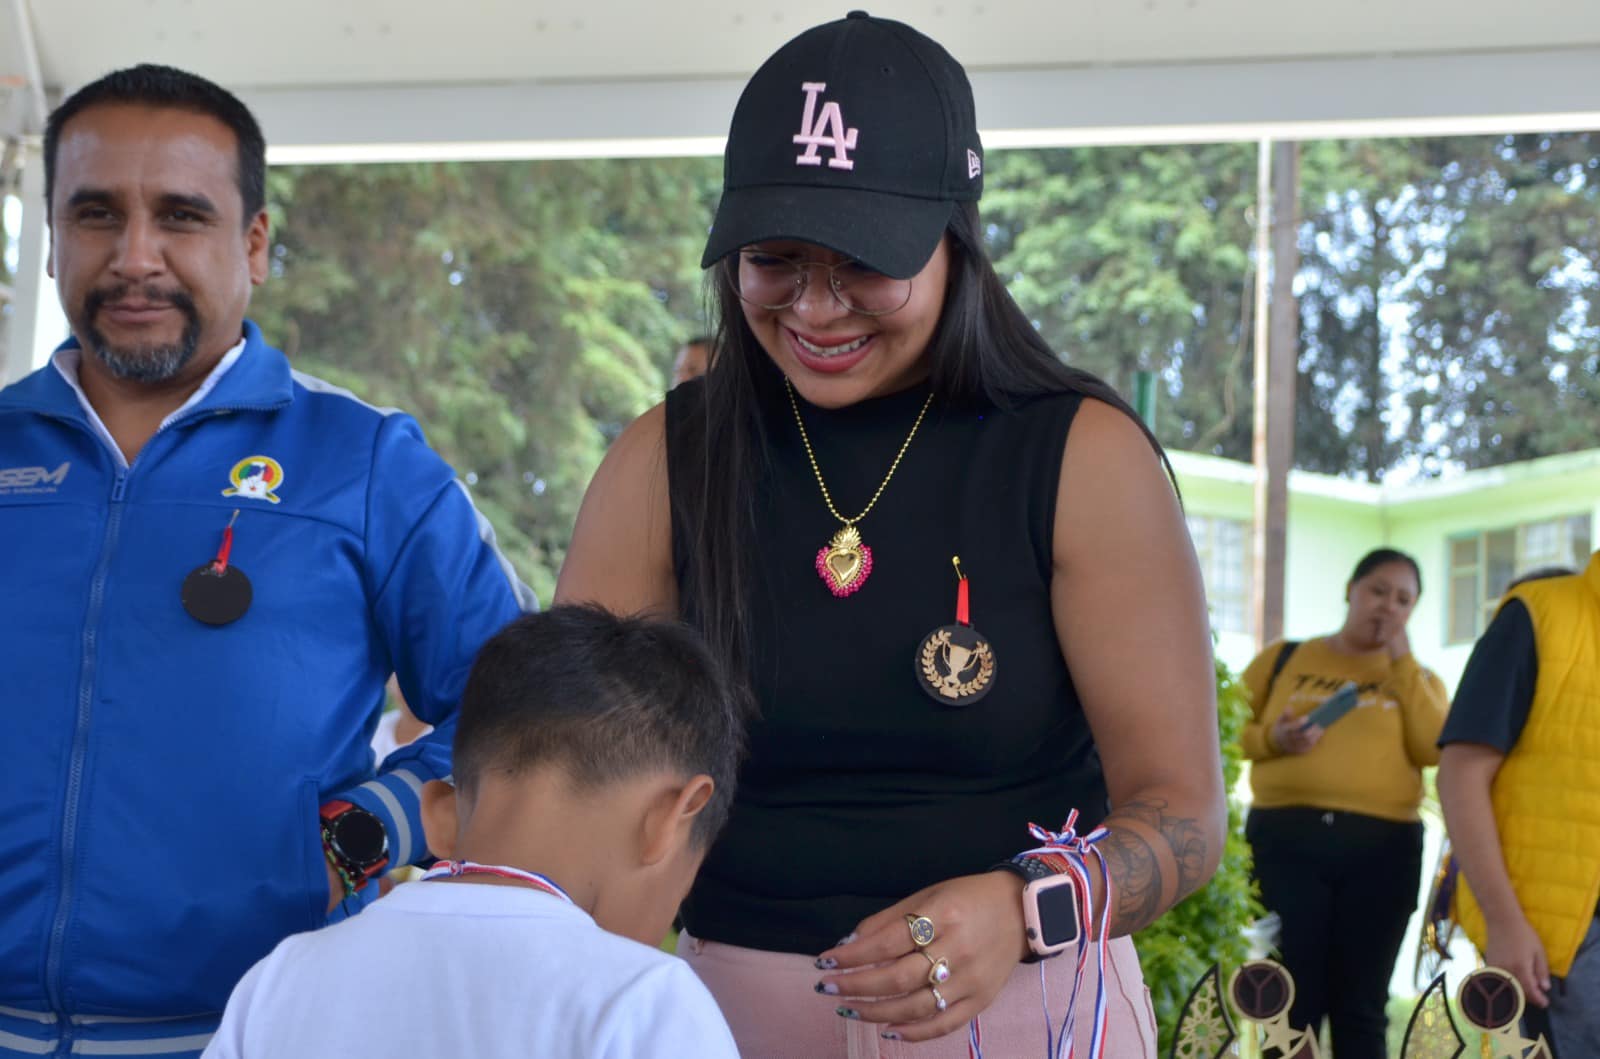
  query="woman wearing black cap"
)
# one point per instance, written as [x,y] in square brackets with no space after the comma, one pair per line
[877,407]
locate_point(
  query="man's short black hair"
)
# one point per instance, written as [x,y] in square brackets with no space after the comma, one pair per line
[164,86]
[605,698]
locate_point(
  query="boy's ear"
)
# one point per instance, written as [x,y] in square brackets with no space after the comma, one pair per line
[439,819]
[669,821]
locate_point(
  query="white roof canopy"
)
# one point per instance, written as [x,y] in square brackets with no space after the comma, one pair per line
[354,79]
[386,80]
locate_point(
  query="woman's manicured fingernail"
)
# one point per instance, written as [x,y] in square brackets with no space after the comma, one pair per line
[847,1013]
[889,1035]
[825,963]
[827,989]
[847,939]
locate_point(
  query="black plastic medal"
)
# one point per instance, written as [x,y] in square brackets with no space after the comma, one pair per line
[955,664]
[218,593]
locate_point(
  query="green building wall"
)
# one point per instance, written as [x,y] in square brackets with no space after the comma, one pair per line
[1332,522]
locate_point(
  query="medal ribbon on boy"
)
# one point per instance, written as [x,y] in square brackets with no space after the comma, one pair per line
[454,868]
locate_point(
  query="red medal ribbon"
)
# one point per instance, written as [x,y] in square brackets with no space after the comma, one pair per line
[219,565]
[963,607]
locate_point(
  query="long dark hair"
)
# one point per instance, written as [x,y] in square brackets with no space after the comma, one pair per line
[984,352]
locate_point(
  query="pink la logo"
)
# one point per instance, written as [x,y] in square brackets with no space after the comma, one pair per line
[826,129]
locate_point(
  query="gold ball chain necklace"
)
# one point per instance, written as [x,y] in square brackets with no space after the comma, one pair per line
[845,563]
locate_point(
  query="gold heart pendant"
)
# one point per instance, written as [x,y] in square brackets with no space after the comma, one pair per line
[845,563]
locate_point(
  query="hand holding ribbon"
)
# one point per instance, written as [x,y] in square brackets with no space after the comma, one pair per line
[978,933]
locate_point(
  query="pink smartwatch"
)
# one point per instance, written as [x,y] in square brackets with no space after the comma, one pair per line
[1050,913]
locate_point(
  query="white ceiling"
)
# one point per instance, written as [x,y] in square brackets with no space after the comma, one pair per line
[339,42]
[483,77]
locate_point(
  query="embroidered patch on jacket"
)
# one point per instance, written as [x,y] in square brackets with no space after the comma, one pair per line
[256,478]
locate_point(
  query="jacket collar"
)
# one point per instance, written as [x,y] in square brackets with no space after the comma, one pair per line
[259,379]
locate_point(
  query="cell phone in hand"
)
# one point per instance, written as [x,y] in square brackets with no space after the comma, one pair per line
[1335,706]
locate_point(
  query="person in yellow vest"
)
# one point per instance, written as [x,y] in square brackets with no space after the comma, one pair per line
[1333,819]
[1519,781]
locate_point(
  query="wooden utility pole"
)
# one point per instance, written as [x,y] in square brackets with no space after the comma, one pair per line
[1277,345]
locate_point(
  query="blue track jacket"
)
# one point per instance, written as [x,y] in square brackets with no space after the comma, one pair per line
[161,777]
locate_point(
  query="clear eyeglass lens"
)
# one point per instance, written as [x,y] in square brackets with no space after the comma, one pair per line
[775,282]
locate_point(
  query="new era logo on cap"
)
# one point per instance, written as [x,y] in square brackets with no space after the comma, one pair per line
[974,164]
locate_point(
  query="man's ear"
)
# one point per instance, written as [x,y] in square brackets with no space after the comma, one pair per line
[258,247]
[440,821]
[669,821]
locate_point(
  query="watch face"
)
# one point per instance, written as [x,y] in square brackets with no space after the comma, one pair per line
[1058,914]
[359,837]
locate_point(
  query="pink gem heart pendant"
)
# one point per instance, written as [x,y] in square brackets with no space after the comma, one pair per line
[845,563]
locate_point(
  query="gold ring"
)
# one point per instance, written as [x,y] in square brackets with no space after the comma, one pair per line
[922,932]
[938,970]
[939,1002]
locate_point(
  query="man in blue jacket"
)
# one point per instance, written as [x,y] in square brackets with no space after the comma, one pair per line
[209,566]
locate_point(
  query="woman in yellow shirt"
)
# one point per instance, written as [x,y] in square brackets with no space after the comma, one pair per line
[1333,821]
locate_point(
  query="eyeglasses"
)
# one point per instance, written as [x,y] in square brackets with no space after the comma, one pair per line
[773,282]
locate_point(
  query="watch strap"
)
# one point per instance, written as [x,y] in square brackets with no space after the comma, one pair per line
[1029,869]
[1026,868]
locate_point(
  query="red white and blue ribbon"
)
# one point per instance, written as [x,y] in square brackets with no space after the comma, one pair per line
[1067,847]
[1067,850]
[454,868]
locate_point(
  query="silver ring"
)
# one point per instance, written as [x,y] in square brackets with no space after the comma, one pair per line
[939,1002]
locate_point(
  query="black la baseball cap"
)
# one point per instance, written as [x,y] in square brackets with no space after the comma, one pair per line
[858,135]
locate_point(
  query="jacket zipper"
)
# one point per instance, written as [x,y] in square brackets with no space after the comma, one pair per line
[80,736]
[80,749]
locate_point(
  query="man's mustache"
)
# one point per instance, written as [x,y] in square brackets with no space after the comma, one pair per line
[178,299]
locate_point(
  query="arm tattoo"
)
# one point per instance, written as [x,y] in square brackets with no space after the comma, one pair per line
[1146,870]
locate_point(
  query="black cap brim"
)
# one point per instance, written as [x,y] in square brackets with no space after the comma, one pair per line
[895,234]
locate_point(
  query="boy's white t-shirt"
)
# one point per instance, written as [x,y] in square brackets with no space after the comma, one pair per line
[466,969]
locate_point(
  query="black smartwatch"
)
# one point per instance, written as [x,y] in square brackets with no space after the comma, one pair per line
[356,843]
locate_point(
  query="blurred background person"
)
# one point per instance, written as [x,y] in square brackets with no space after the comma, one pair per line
[1334,822]
[694,356]
[1521,799]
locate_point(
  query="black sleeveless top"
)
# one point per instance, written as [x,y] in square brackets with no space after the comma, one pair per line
[860,789]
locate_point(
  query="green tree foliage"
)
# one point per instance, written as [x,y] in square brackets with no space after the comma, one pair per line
[1506,337]
[1355,255]
[1208,927]
[1138,258]
[524,312]
[1445,290]
[1446,295]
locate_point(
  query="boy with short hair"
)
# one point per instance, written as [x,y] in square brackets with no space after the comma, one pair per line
[594,763]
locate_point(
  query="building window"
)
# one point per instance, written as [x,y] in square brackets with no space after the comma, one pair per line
[1483,564]
[1223,546]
